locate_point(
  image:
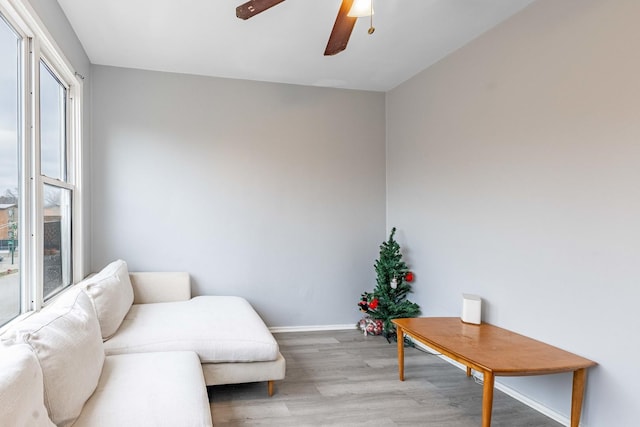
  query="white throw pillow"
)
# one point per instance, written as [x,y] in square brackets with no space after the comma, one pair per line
[66,340]
[111,294]
[21,389]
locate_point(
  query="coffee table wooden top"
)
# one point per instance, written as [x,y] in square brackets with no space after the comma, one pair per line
[490,348]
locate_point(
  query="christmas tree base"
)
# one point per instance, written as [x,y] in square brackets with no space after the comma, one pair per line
[393,337]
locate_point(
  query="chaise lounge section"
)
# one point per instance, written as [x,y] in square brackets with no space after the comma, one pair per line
[231,340]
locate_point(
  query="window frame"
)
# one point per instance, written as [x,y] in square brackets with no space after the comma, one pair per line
[37,44]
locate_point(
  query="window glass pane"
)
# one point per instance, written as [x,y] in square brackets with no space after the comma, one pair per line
[57,240]
[52,124]
[9,172]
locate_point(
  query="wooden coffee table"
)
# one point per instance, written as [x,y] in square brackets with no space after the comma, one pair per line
[494,351]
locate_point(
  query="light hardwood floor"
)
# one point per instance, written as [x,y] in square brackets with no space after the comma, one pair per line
[342,378]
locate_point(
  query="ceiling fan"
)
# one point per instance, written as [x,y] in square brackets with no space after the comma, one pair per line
[342,27]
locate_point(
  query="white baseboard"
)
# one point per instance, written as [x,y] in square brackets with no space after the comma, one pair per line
[313,328]
[554,415]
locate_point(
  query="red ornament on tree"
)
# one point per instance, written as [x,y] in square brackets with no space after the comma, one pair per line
[409,277]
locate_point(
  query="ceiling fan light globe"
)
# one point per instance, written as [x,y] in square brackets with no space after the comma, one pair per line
[361,8]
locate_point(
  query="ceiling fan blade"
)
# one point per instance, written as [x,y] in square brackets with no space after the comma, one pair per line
[341,30]
[254,7]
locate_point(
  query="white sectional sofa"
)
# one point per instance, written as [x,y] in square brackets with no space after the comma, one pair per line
[135,349]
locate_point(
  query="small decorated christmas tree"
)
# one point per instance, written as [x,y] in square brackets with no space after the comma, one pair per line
[389,298]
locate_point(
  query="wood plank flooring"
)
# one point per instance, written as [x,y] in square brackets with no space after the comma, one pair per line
[342,378]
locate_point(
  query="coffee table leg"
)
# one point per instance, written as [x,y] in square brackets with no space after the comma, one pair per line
[577,394]
[487,399]
[400,337]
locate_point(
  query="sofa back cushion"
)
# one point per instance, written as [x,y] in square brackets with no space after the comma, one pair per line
[111,294]
[21,389]
[66,340]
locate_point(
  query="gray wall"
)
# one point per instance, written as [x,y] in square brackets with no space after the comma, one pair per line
[58,26]
[268,191]
[514,173]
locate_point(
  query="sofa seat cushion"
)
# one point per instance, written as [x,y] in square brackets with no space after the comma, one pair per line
[21,389]
[149,389]
[217,328]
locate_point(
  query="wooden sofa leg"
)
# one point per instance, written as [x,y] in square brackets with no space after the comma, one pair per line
[270,388]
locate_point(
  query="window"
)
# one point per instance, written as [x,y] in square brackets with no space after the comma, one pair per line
[10,298]
[39,165]
[56,192]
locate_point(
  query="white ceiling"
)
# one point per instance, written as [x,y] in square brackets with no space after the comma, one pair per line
[283,44]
